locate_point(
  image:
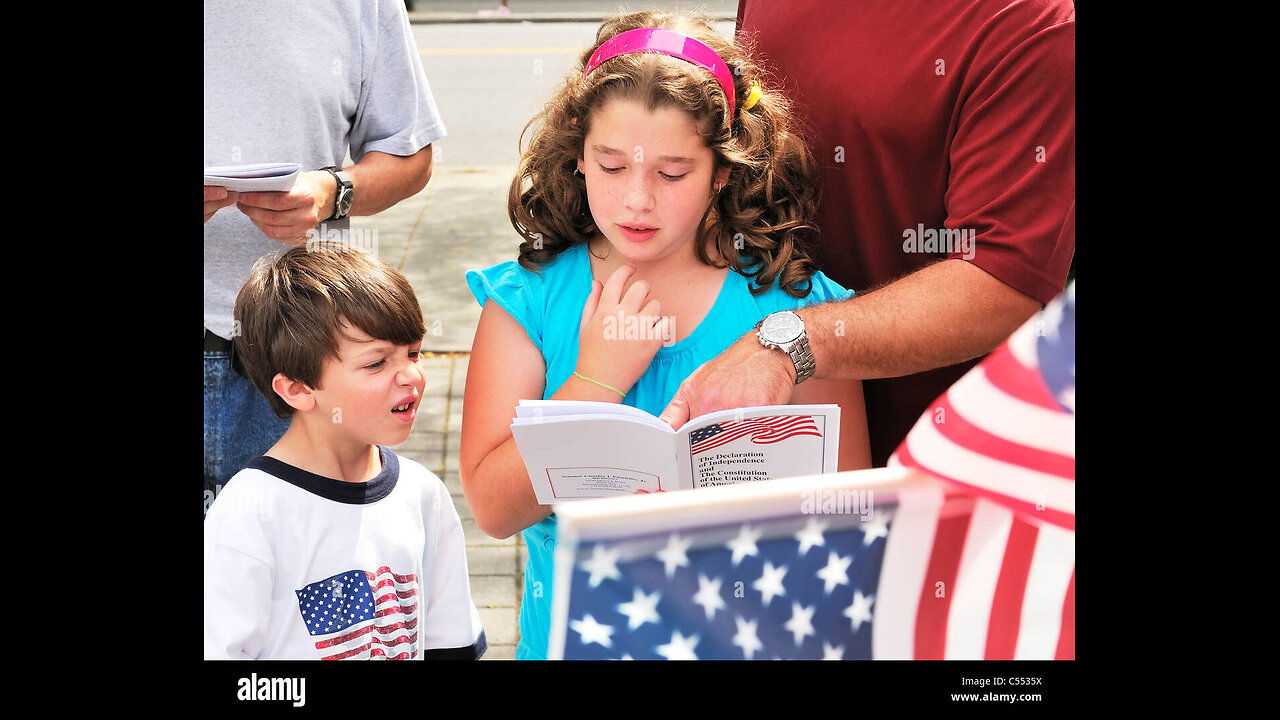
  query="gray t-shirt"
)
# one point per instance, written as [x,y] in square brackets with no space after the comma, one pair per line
[302,82]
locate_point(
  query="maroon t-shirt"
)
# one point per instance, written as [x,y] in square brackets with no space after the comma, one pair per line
[946,129]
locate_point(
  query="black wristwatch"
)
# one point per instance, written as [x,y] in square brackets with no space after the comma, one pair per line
[344,195]
[785,331]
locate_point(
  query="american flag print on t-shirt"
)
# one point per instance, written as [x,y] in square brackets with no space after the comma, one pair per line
[362,615]
[762,431]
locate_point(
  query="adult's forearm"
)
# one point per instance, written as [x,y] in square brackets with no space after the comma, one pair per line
[941,315]
[380,180]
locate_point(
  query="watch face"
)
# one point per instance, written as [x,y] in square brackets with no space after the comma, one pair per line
[781,327]
[344,201]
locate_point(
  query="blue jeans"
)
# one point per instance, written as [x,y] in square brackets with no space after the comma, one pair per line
[239,424]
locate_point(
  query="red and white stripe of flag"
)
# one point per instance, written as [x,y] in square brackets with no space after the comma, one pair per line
[999,433]
[984,567]
[969,579]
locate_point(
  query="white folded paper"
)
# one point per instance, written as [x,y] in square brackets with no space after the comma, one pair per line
[259,177]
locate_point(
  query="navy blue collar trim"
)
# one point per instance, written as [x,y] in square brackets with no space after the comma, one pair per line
[351,493]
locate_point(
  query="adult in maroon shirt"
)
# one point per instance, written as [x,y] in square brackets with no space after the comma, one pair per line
[947,132]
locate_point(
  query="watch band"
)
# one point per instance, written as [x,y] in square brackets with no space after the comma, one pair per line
[802,357]
[343,181]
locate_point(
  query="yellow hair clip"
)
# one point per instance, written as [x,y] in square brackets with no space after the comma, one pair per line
[753,97]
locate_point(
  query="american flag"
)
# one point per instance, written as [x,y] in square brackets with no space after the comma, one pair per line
[762,431]
[1006,430]
[1005,434]
[968,551]
[900,584]
[362,615]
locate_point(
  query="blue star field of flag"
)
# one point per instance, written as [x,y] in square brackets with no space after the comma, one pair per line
[1056,349]
[335,603]
[767,592]
[701,434]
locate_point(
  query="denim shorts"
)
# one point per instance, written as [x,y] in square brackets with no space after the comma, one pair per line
[239,424]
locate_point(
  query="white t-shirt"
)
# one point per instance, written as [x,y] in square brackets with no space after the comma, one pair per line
[299,566]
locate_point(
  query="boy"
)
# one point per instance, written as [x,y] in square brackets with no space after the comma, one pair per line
[331,546]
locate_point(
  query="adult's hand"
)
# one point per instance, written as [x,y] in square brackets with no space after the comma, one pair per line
[746,374]
[289,216]
[216,198]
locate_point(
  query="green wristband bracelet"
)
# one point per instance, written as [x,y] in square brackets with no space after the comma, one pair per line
[597,382]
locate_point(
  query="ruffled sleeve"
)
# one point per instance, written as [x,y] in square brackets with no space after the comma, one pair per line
[826,290]
[822,290]
[516,290]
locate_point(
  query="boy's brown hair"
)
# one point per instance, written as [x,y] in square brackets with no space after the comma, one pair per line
[293,306]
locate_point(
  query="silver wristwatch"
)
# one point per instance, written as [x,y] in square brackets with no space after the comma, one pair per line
[785,331]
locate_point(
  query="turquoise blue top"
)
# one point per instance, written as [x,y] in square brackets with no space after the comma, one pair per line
[549,307]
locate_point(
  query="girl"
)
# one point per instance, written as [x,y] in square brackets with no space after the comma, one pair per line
[663,185]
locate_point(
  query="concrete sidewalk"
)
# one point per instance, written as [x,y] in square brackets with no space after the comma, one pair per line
[457,223]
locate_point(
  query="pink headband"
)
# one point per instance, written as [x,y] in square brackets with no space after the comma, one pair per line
[667,42]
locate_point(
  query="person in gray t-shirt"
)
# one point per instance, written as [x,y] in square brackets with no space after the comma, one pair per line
[306,83]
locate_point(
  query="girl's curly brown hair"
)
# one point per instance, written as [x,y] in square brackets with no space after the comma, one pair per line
[761,223]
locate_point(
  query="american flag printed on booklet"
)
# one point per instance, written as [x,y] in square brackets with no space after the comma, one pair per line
[761,431]
[362,615]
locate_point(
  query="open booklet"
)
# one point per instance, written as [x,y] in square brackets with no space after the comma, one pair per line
[576,450]
[259,177]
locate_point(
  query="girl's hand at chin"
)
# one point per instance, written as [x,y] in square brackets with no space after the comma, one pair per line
[622,329]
